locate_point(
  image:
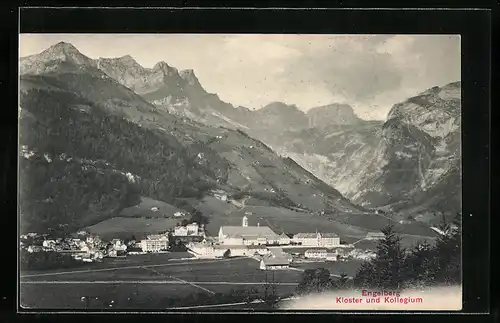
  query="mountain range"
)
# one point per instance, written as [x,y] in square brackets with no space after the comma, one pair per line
[378,164]
[92,146]
[161,128]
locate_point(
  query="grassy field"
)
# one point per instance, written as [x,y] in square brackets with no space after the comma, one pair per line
[169,278]
[143,209]
[125,227]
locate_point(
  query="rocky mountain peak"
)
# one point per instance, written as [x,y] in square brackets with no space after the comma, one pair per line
[65,52]
[332,114]
[63,47]
[190,77]
[280,107]
[128,60]
[51,59]
[435,111]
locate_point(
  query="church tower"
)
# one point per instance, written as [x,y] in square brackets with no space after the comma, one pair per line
[244,222]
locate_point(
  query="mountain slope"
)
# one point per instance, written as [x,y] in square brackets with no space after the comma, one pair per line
[81,120]
[421,155]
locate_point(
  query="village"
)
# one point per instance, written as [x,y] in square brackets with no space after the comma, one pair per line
[273,251]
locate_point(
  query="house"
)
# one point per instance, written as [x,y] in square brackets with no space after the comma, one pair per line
[118,245]
[332,256]
[375,236]
[192,229]
[258,250]
[318,239]
[154,243]
[278,252]
[247,235]
[204,250]
[94,241]
[272,262]
[316,253]
[32,248]
[221,196]
[49,244]
[180,231]
[236,250]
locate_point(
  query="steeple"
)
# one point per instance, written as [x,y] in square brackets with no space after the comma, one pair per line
[244,222]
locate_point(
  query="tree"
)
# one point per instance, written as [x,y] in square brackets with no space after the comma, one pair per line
[198,217]
[314,280]
[387,269]
[447,253]
[340,282]
[419,268]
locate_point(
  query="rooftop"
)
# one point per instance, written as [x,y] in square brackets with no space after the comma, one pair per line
[248,232]
[375,234]
[316,250]
[275,261]
[314,235]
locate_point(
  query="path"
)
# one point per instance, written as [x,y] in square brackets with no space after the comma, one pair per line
[180,280]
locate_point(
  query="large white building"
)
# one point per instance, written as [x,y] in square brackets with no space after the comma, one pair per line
[328,240]
[316,253]
[209,250]
[154,243]
[247,235]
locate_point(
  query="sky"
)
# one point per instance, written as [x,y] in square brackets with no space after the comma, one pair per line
[369,72]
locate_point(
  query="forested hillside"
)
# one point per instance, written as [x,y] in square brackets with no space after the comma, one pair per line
[82,155]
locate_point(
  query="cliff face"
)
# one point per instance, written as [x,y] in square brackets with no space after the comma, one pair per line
[333,114]
[421,152]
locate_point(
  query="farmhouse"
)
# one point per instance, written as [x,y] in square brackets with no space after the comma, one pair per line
[192,229]
[278,252]
[49,244]
[179,214]
[272,262]
[317,239]
[332,256]
[375,236]
[247,235]
[118,245]
[154,243]
[316,253]
[204,250]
